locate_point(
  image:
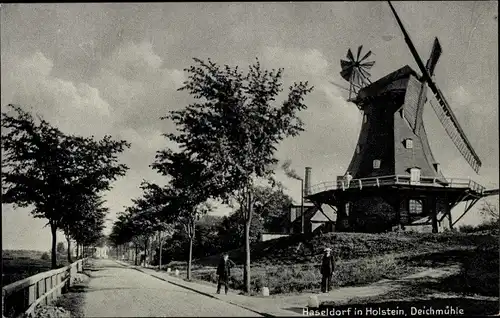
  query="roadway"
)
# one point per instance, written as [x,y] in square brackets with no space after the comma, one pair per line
[118,291]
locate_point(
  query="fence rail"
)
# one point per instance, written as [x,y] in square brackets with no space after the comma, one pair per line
[395,180]
[24,295]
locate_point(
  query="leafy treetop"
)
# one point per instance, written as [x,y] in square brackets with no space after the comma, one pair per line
[235,127]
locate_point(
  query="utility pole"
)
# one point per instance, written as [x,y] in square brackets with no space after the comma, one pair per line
[302,203]
[161,246]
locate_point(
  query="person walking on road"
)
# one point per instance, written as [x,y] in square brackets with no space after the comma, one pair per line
[224,272]
[327,268]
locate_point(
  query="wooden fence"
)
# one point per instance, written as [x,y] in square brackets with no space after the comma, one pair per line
[23,296]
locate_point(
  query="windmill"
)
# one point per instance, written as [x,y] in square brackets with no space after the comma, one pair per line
[393,169]
[355,71]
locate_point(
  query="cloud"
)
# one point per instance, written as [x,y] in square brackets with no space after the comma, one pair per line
[73,107]
[307,61]
[133,61]
[125,99]
[140,89]
[461,96]
[331,123]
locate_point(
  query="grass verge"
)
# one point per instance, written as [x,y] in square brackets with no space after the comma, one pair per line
[362,259]
[20,264]
[299,278]
[73,300]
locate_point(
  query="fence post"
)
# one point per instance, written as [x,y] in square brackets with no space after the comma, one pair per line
[3,302]
[68,277]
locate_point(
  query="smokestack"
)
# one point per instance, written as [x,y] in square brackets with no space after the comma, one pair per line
[307,182]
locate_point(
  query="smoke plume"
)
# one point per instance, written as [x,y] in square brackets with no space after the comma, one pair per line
[289,172]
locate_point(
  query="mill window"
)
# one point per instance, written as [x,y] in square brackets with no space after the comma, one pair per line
[415,207]
[376,164]
[365,119]
[408,143]
[357,149]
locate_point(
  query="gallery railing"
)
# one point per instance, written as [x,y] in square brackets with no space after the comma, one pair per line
[396,180]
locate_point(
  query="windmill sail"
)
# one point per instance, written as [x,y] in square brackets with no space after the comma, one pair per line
[434,57]
[443,109]
[453,129]
[430,66]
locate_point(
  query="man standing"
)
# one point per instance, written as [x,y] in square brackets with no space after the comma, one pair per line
[327,268]
[224,272]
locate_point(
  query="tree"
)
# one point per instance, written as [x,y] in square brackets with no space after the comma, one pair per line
[191,185]
[85,222]
[143,220]
[489,210]
[270,210]
[60,248]
[151,207]
[177,245]
[231,231]
[207,241]
[215,234]
[124,232]
[46,169]
[273,208]
[234,128]
[116,237]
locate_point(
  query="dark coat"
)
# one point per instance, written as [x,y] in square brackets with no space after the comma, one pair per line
[327,265]
[224,268]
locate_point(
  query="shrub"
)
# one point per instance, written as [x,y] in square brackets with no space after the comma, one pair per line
[45,256]
[480,271]
[490,225]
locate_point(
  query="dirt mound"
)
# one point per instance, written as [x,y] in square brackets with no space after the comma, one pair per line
[302,249]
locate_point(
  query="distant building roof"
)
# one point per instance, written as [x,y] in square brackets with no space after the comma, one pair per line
[323,214]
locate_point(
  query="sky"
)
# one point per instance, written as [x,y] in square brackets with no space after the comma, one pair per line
[109,68]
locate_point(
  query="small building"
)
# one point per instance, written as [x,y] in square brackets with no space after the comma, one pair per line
[102,252]
[316,218]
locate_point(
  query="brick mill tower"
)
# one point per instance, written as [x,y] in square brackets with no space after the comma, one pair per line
[393,180]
